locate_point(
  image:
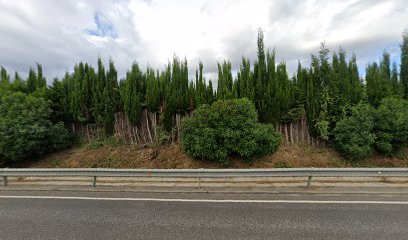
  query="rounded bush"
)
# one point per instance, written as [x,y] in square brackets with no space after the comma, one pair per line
[26,129]
[353,134]
[391,126]
[227,127]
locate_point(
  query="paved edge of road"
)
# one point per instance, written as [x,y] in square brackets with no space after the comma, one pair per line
[206,200]
[282,190]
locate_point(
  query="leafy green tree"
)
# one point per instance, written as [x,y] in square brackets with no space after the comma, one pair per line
[26,129]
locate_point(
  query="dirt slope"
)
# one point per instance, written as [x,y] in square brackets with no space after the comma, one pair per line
[131,156]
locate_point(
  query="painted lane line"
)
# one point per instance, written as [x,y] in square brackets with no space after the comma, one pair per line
[205,200]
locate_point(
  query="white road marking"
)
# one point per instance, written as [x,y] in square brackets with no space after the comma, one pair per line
[205,200]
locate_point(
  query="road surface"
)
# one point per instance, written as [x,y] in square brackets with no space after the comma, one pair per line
[121,215]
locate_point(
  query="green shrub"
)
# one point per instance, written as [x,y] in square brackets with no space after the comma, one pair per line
[26,129]
[353,134]
[391,126]
[163,137]
[227,127]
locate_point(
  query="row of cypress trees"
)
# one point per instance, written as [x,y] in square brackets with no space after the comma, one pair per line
[324,91]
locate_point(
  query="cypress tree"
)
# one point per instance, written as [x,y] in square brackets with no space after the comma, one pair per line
[245,84]
[210,93]
[31,81]
[110,97]
[374,87]
[200,85]
[152,92]
[224,89]
[131,98]
[356,87]
[98,88]
[404,64]
[4,77]
[271,111]
[261,81]
[41,81]
[386,74]
[18,85]
[397,89]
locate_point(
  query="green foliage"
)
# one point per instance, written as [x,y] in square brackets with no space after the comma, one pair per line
[111,98]
[378,79]
[325,92]
[391,125]
[26,129]
[163,137]
[130,96]
[353,134]
[152,92]
[224,90]
[226,128]
[404,64]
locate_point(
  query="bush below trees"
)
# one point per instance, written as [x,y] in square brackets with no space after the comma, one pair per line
[227,128]
[26,129]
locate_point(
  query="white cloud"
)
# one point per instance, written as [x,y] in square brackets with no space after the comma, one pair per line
[59,34]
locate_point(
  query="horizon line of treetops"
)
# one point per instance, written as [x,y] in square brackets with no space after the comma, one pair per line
[324,91]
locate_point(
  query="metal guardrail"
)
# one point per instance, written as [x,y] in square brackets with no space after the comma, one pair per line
[203,173]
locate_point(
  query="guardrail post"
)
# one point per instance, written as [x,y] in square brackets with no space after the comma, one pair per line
[309,182]
[94,181]
[199,179]
[4,181]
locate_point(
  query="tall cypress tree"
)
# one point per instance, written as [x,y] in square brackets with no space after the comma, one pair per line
[4,77]
[210,93]
[110,97]
[224,89]
[41,81]
[375,89]
[271,88]
[31,81]
[356,87]
[404,64]
[98,88]
[131,98]
[397,89]
[152,92]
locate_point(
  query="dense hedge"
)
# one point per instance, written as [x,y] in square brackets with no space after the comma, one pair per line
[226,128]
[26,129]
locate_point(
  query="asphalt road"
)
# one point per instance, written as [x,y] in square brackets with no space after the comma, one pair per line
[75,215]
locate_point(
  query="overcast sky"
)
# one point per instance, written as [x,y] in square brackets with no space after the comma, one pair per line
[59,34]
